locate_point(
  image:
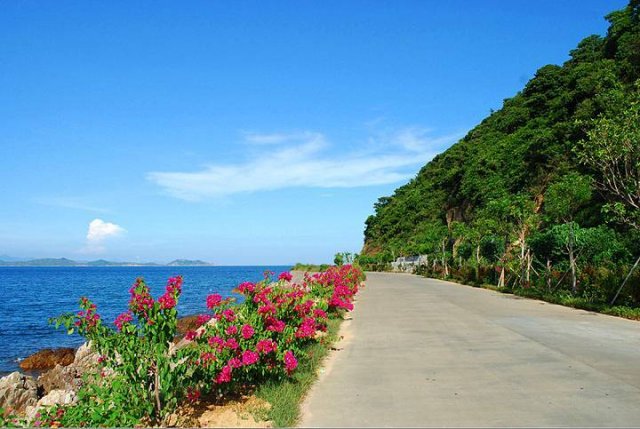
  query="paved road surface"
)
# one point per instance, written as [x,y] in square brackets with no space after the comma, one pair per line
[431,353]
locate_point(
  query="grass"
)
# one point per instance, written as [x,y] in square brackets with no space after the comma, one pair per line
[286,396]
[572,301]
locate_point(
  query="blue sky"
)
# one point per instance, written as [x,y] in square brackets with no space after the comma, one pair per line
[245,132]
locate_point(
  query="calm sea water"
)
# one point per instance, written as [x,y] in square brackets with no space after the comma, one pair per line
[30,295]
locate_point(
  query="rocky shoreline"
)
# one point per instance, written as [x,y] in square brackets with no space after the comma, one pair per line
[24,395]
[54,376]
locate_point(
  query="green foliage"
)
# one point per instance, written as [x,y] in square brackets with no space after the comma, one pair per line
[518,189]
[148,378]
[612,151]
[564,197]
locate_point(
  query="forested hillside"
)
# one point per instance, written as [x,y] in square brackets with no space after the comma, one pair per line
[544,192]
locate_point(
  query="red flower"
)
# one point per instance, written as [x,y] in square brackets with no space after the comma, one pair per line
[247,287]
[231,343]
[249,357]
[231,330]
[193,395]
[213,301]
[275,325]
[167,301]
[122,319]
[266,346]
[202,319]
[229,314]
[235,363]
[247,331]
[216,342]
[190,335]
[225,375]
[285,276]
[290,361]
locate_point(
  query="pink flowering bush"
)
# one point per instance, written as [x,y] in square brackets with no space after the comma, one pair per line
[238,344]
[148,379]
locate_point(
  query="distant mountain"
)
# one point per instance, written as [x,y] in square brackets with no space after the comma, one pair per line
[188,263]
[64,262]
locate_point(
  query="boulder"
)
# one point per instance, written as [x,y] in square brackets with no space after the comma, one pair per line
[86,359]
[187,323]
[48,358]
[55,397]
[60,377]
[17,391]
[70,377]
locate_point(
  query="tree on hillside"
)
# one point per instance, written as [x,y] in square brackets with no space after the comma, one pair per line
[562,201]
[612,150]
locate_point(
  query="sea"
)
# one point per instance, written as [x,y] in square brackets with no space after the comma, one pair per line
[31,295]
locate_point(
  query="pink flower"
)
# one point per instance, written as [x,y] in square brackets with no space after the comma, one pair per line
[229,314]
[167,301]
[275,325]
[225,375]
[267,309]
[321,314]
[174,285]
[202,319]
[285,276]
[216,342]
[206,358]
[231,330]
[247,331]
[307,328]
[193,394]
[249,357]
[246,287]
[290,361]
[190,335]
[266,346]
[231,343]
[122,319]
[235,363]
[213,301]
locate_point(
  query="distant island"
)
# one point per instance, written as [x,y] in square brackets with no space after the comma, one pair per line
[64,262]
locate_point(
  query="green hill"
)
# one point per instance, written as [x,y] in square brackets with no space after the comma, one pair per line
[505,192]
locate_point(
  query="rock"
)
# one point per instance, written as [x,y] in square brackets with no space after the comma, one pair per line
[17,391]
[55,397]
[70,377]
[187,323]
[171,420]
[59,377]
[86,359]
[48,358]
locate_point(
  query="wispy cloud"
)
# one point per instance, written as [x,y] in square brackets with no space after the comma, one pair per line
[305,159]
[99,231]
[74,203]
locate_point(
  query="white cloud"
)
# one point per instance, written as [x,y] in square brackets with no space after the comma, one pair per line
[306,161]
[279,138]
[98,232]
[69,203]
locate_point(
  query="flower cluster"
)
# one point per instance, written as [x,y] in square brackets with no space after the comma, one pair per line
[87,319]
[243,343]
[265,335]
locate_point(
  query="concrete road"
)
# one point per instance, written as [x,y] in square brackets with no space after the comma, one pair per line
[423,352]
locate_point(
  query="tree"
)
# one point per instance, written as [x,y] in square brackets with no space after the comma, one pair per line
[562,201]
[612,150]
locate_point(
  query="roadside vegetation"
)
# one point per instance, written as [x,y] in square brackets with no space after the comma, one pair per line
[270,345]
[542,198]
